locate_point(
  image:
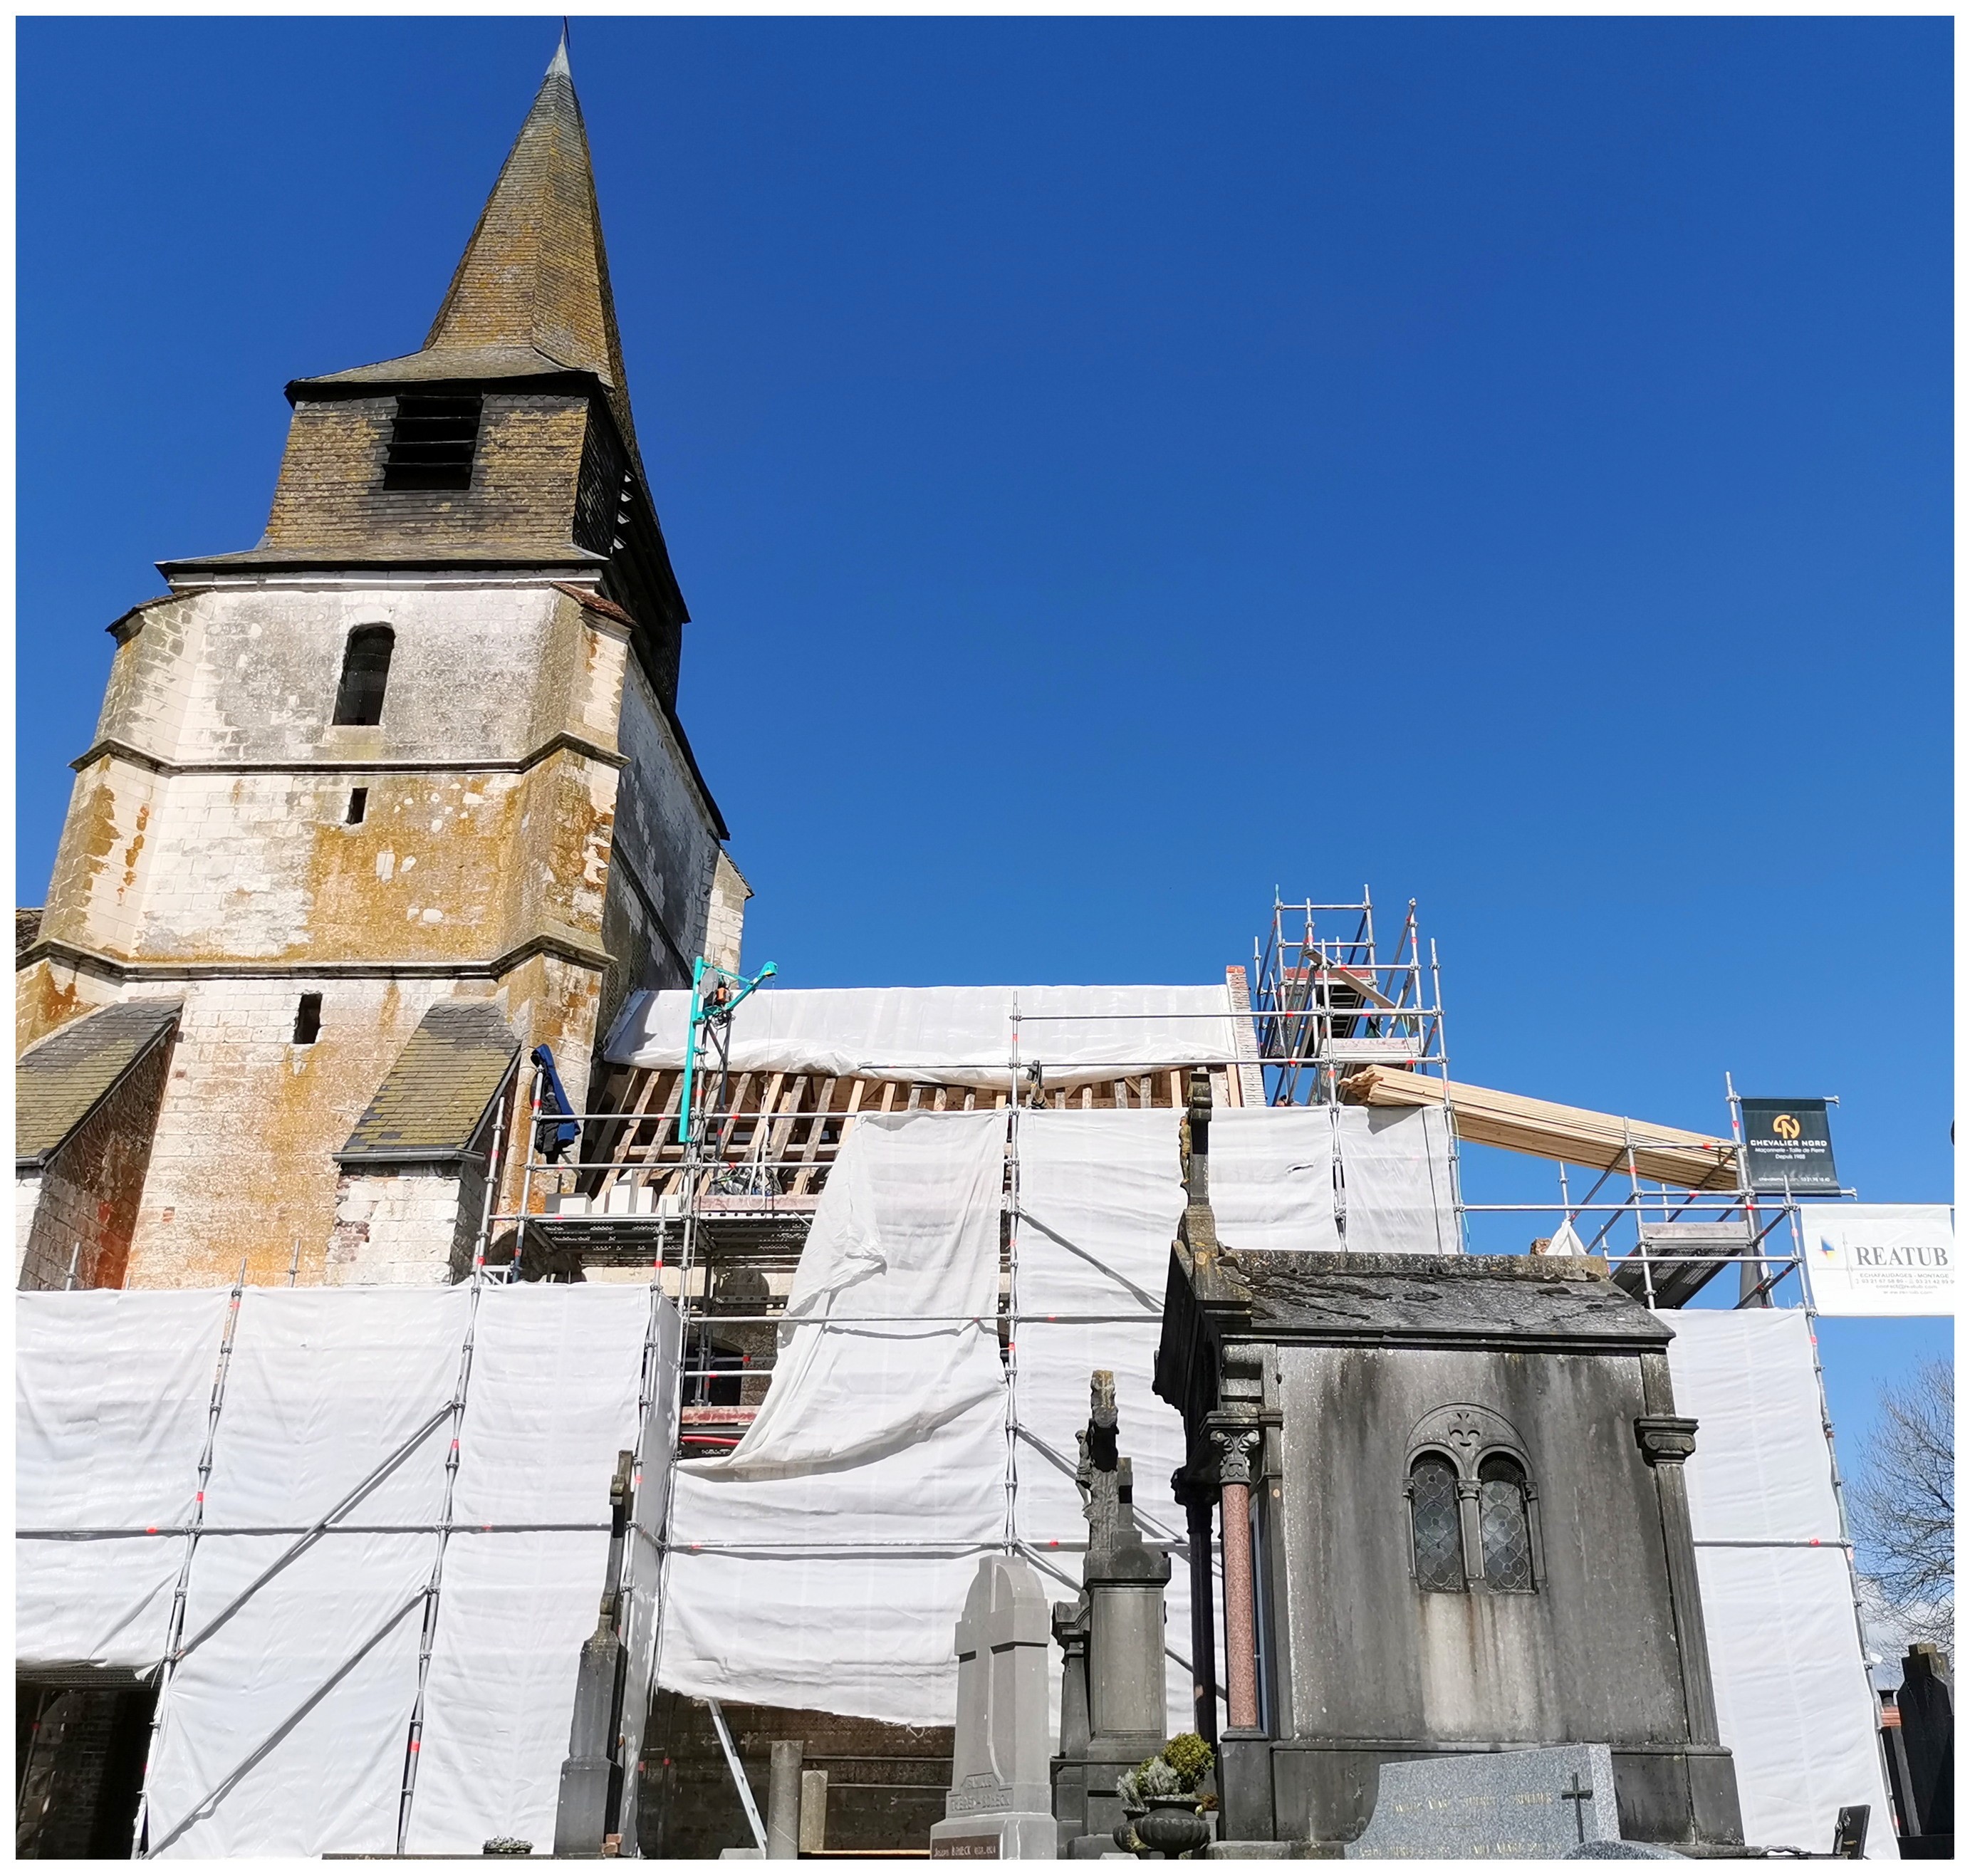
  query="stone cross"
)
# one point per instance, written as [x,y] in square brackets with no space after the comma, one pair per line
[999,1783]
[1579,1796]
[1101,1474]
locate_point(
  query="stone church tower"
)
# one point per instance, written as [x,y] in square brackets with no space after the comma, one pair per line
[376,805]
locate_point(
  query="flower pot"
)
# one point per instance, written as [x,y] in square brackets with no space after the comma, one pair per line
[1174,1826]
[1125,1835]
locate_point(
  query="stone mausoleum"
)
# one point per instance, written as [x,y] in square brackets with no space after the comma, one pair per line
[1454,1503]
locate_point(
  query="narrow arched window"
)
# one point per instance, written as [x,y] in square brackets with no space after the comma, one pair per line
[365,671]
[1439,1544]
[1503,1526]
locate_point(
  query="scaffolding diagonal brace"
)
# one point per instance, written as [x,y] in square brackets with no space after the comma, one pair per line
[745,1790]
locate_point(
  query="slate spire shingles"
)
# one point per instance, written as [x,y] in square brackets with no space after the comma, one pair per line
[531,292]
[535,271]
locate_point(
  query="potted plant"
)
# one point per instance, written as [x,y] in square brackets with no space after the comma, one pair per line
[1164,1788]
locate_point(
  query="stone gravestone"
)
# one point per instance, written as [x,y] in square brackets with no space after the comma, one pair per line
[998,1803]
[1542,1803]
[1113,1711]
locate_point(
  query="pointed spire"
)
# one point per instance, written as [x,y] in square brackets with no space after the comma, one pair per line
[534,273]
[531,295]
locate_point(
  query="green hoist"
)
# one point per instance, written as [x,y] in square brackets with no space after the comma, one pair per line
[715,994]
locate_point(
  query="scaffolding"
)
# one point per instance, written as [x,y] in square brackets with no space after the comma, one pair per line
[715,1204]
[1326,1004]
[706,1180]
[702,1182]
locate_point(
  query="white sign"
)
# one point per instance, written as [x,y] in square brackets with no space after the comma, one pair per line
[1880,1260]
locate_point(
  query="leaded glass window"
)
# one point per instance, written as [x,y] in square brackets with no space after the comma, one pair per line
[1439,1545]
[1502,1525]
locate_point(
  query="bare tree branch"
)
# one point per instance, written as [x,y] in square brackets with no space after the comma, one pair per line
[1903,1505]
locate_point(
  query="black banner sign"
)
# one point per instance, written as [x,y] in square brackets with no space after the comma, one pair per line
[1789,1145]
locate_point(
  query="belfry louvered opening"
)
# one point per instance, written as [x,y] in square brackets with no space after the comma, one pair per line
[432,442]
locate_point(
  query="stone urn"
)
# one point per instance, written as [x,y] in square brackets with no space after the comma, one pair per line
[1174,1826]
[1124,1833]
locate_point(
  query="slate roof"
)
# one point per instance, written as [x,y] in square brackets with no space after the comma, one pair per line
[64,1077]
[1325,1296]
[532,293]
[517,552]
[432,1103]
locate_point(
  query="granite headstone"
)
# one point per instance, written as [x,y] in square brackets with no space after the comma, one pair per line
[1000,1803]
[1541,1803]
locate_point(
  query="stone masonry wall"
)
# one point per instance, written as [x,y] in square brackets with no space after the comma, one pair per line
[463,861]
[89,1193]
[209,830]
[30,1272]
[725,923]
[242,1167]
[394,1225]
[50,993]
[409,1224]
[664,833]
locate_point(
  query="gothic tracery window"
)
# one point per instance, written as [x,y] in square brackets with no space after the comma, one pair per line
[1503,1528]
[1433,1519]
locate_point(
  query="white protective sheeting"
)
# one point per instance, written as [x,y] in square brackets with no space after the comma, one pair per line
[286,1724]
[823,1563]
[556,1374]
[1762,1472]
[957,1034]
[1274,1184]
[1396,1171]
[285,1721]
[887,1436]
[112,1392]
[1099,1201]
[1793,1700]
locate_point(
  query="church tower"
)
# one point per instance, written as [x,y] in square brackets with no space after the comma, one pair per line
[378,803]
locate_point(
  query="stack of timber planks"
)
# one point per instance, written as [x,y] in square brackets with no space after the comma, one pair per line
[1580,1137]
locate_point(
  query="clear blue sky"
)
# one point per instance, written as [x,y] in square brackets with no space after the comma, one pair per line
[1115,467]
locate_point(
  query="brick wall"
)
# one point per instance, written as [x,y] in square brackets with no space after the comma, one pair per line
[88,1194]
[886,1784]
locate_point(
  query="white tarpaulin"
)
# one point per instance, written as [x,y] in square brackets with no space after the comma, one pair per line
[285,1725]
[553,1400]
[1099,1199]
[1274,1185]
[957,1034]
[823,1562]
[1793,1700]
[112,1392]
[1880,1260]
